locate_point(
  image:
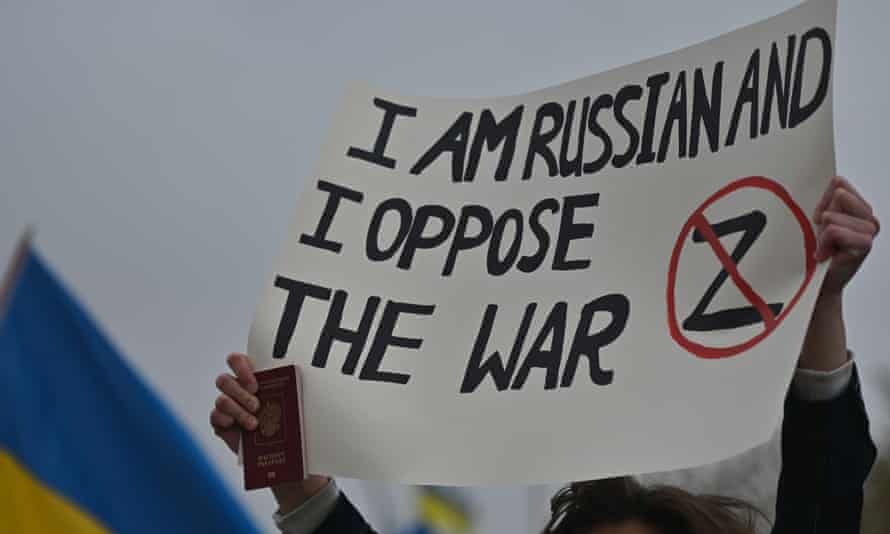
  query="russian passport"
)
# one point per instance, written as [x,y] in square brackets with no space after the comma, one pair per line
[274,453]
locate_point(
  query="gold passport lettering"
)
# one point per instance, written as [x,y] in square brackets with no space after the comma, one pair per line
[274,458]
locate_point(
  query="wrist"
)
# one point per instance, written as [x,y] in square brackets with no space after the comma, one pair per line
[829,303]
[292,495]
[825,344]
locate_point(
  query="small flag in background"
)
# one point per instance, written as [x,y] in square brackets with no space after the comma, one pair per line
[85,445]
[441,510]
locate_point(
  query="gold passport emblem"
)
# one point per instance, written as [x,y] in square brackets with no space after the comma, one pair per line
[270,418]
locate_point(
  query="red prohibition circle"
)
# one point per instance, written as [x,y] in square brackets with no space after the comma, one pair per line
[770,322]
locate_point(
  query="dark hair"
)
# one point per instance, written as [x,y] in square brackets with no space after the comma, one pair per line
[581,506]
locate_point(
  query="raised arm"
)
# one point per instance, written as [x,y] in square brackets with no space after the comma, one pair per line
[313,505]
[827,451]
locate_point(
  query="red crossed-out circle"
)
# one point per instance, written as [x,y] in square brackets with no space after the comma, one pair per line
[698,221]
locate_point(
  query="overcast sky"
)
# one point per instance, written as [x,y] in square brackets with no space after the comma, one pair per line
[158,147]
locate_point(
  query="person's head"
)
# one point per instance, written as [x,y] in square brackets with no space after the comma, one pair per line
[624,506]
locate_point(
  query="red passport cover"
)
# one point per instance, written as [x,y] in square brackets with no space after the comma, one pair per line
[273,452]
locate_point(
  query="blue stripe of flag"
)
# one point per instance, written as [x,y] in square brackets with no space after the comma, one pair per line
[82,421]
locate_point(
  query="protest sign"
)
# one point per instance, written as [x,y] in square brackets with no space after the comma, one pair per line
[608,276]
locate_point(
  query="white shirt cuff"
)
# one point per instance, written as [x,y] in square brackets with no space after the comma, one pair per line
[307,517]
[812,385]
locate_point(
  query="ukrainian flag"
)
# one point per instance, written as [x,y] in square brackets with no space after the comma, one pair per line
[441,510]
[85,446]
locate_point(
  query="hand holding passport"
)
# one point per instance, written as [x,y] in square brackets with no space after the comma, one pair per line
[260,414]
[273,451]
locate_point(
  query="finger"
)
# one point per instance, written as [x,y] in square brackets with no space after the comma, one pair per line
[836,238]
[220,420]
[225,404]
[825,200]
[864,226]
[843,189]
[846,202]
[243,369]
[847,186]
[227,384]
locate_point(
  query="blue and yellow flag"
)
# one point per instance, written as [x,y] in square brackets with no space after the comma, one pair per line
[85,446]
[441,510]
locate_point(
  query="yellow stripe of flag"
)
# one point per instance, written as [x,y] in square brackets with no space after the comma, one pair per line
[441,514]
[27,505]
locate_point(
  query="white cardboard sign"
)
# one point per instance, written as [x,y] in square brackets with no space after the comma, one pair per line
[608,276]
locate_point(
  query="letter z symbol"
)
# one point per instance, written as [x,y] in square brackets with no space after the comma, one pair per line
[752,225]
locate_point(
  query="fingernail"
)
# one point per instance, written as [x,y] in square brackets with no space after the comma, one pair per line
[251,423]
[253,404]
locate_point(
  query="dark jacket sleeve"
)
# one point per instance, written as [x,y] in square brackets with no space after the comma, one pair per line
[344,519]
[827,453]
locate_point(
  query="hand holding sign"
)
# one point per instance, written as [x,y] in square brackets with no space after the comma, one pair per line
[847,227]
